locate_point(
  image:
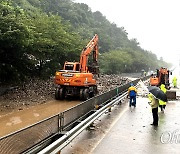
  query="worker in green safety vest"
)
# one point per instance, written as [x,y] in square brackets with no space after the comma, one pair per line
[154,105]
[174,81]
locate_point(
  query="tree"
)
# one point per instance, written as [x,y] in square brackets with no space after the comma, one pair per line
[37,36]
[14,38]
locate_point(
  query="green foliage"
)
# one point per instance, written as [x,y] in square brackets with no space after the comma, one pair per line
[34,44]
[37,36]
[14,38]
[52,41]
[127,60]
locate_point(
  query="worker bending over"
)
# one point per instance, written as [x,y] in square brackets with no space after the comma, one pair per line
[132,91]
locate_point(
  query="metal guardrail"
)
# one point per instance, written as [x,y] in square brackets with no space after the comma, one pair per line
[36,137]
[24,139]
[60,143]
[70,135]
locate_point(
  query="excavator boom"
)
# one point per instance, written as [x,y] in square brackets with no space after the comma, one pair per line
[92,46]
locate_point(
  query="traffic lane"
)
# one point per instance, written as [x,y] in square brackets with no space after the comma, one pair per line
[133,133]
[85,142]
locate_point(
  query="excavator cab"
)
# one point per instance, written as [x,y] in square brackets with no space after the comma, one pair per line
[162,77]
[71,66]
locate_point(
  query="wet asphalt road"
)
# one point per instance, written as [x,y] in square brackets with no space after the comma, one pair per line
[133,133]
[127,130]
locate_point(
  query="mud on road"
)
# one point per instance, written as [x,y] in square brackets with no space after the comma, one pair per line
[37,91]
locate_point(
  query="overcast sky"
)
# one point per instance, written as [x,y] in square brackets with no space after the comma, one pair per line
[154,23]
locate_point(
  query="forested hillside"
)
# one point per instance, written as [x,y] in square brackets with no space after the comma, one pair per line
[37,36]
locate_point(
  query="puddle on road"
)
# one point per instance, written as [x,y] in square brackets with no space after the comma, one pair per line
[36,114]
[14,121]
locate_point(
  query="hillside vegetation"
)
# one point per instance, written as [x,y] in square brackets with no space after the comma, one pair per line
[38,36]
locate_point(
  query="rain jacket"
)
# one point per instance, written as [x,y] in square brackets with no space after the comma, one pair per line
[132,91]
[154,102]
[163,88]
[150,96]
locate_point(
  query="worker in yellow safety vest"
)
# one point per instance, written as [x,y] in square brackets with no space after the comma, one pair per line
[132,91]
[174,81]
[162,104]
[154,105]
[150,96]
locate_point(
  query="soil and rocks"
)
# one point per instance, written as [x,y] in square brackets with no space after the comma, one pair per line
[37,91]
[109,82]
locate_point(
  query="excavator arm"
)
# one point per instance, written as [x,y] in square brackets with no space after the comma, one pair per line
[92,46]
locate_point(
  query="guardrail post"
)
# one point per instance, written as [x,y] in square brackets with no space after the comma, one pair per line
[117,91]
[61,122]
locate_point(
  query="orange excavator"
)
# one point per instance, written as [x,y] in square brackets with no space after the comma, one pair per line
[162,77]
[77,78]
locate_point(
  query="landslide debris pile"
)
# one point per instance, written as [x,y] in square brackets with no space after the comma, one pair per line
[108,82]
[38,91]
[34,92]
